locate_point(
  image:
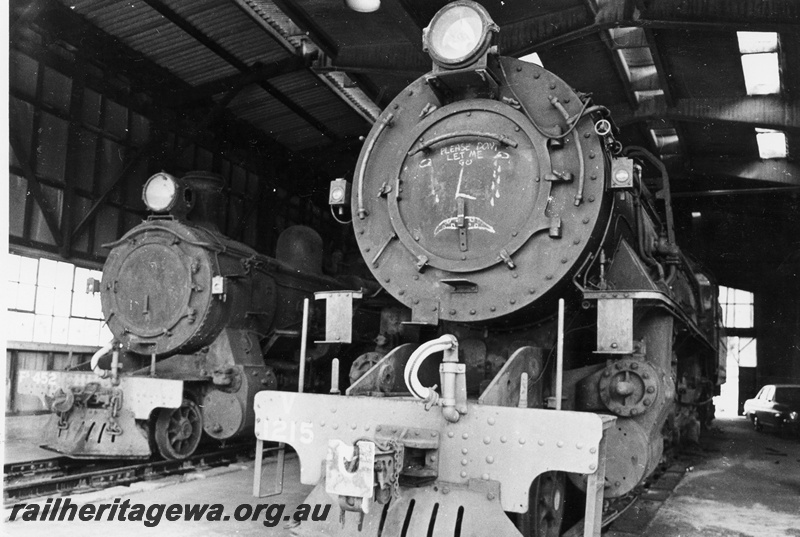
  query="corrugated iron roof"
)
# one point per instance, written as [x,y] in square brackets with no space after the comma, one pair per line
[245,39]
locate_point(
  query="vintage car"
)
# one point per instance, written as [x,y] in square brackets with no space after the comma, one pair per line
[776,406]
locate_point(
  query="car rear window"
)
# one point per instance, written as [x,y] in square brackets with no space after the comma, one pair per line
[788,396]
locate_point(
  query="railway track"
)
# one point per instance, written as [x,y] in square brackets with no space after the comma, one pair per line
[62,475]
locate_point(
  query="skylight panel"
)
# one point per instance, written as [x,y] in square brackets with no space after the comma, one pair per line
[646,95]
[771,144]
[756,42]
[760,62]
[761,74]
[532,58]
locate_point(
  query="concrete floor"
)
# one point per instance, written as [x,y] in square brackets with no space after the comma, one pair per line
[744,484]
[741,484]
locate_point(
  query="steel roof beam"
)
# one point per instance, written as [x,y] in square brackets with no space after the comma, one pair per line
[145,77]
[769,112]
[322,40]
[217,49]
[257,74]
[779,171]
[398,11]
[304,21]
[48,209]
[752,15]
[557,28]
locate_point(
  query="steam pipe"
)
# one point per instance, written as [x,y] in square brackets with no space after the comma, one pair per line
[445,343]
[102,351]
[115,366]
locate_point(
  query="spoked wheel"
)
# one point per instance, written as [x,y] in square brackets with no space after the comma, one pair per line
[178,430]
[546,506]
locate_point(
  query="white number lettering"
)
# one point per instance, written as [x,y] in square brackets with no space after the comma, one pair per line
[282,431]
[306,432]
[279,432]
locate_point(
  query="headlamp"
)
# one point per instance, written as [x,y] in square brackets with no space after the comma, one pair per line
[459,34]
[160,192]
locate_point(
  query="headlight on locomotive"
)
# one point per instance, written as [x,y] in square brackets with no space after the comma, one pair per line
[459,34]
[160,192]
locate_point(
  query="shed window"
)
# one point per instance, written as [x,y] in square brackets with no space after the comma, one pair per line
[47,303]
[737,307]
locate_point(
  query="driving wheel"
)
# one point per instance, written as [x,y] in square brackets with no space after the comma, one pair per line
[178,430]
[546,506]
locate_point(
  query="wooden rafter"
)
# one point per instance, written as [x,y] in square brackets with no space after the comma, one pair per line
[34,187]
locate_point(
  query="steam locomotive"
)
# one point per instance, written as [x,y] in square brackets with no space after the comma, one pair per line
[573,339]
[194,314]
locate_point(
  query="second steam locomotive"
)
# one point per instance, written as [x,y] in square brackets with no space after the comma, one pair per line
[559,338]
[200,322]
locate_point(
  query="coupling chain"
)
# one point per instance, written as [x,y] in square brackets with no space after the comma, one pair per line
[116,402]
[63,424]
[398,450]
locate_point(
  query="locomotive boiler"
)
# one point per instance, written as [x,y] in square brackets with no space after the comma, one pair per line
[200,322]
[573,339]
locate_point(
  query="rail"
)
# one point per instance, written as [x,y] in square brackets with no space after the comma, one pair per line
[61,475]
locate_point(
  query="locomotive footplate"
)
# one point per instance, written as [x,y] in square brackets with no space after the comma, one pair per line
[484,463]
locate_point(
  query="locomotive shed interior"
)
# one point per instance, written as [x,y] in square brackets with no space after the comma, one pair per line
[277,97]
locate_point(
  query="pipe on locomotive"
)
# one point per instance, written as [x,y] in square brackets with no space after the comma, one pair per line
[94,362]
[452,373]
